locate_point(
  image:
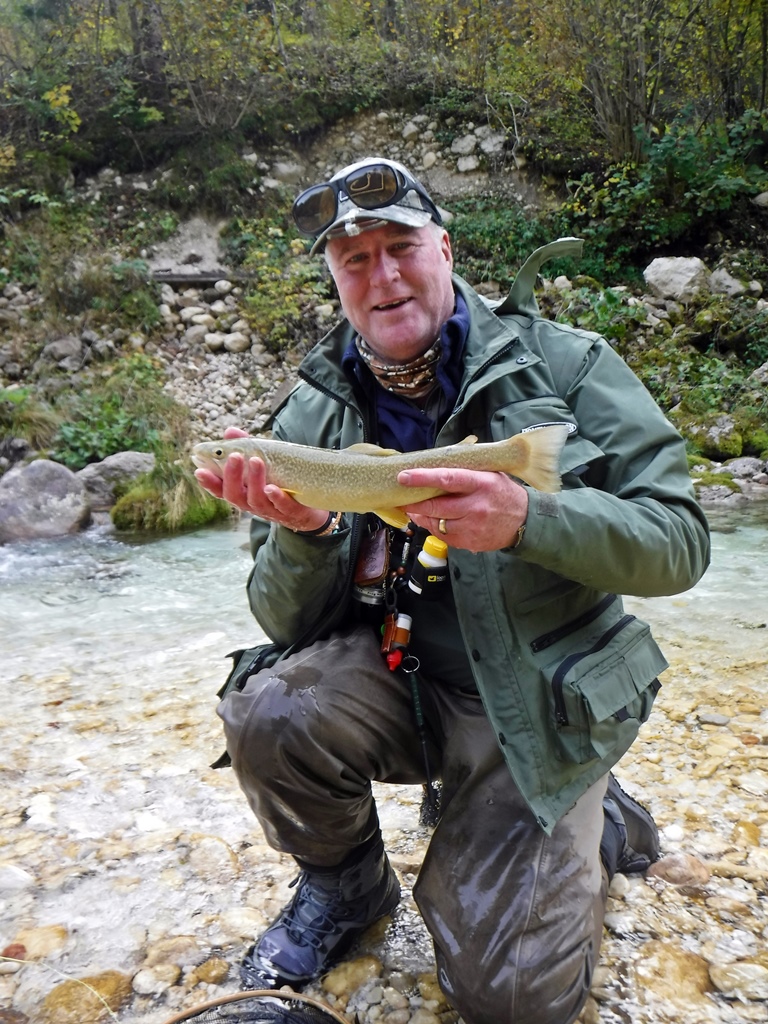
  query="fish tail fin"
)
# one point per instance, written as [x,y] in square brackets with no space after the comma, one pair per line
[545,446]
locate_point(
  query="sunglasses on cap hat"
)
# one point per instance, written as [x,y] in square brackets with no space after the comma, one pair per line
[374,186]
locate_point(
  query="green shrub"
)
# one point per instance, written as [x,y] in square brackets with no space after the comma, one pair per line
[23,415]
[212,178]
[22,255]
[689,180]
[283,283]
[491,240]
[123,291]
[601,310]
[747,334]
[126,411]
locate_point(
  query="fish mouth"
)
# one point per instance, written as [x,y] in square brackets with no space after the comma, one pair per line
[198,461]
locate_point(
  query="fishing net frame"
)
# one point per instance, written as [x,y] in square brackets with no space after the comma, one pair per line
[288,997]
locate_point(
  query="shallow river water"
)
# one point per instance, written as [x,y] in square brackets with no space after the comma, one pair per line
[126,861]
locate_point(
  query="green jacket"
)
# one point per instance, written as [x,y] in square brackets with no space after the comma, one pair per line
[565,675]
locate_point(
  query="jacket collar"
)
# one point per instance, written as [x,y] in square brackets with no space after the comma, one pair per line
[493,348]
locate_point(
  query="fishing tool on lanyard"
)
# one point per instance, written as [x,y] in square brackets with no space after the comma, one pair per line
[427,579]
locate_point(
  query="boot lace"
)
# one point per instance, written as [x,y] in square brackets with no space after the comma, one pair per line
[313,913]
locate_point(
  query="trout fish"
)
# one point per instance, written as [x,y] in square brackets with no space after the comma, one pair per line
[363,477]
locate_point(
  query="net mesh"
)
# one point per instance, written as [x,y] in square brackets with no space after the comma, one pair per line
[261,1008]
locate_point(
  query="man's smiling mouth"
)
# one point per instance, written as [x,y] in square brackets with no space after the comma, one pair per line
[384,306]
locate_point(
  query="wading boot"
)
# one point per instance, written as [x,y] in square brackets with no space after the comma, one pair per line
[331,908]
[630,842]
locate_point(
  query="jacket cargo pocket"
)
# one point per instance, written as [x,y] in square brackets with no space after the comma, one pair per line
[600,696]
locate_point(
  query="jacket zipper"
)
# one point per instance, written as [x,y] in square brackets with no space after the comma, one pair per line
[480,371]
[547,639]
[561,715]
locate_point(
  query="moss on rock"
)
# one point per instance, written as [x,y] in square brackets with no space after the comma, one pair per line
[150,507]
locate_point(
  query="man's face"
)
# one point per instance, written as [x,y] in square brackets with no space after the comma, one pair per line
[395,286]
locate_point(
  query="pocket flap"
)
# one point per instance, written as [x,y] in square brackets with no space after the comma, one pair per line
[626,675]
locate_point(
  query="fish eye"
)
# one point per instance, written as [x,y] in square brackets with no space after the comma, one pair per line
[218,452]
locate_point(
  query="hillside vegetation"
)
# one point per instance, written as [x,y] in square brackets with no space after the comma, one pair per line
[642,128]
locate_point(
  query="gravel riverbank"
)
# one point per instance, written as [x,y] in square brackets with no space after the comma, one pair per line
[127,864]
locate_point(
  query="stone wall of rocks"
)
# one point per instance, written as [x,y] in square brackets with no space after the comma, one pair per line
[217,366]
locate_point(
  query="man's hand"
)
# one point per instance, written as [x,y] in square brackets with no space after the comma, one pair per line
[244,484]
[481,511]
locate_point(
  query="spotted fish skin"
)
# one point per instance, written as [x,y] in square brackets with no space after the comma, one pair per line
[363,478]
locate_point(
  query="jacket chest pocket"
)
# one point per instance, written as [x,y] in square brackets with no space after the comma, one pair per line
[600,695]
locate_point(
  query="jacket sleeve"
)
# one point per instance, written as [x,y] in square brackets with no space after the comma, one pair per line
[630,522]
[297,583]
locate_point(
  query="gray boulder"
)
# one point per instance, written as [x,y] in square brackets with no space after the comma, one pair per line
[40,500]
[744,467]
[464,146]
[719,494]
[717,437]
[681,278]
[68,353]
[723,283]
[102,479]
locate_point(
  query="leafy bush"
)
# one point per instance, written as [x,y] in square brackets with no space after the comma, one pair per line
[491,241]
[23,415]
[21,252]
[689,370]
[689,180]
[102,428]
[340,77]
[603,310]
[747,335]
[284,284]
[212,178]
[126,411]
[125,290]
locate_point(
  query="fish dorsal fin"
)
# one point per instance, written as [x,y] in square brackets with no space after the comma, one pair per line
[469,439]
[366,448]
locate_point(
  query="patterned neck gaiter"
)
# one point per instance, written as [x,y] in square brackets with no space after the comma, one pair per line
[414,379]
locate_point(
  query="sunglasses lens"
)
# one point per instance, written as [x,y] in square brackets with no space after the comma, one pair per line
[315,209]
[372,187]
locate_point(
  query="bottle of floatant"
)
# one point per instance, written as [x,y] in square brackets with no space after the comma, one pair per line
[430,570]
